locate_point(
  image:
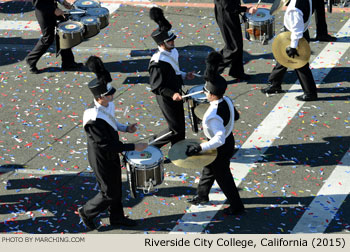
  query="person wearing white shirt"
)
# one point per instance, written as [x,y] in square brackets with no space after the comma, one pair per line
[297,19]
[218,122]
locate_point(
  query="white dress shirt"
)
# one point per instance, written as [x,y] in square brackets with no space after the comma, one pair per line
[215,123]
[294,22]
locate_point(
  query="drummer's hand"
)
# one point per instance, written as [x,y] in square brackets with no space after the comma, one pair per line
[59,12]
[67,5]
[193,149]
[177,97]
[140,146]
[190,76]
[252,10]
[131,128]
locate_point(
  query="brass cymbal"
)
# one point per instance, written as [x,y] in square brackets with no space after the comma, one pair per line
[279,45]
[199,110]
[177,155]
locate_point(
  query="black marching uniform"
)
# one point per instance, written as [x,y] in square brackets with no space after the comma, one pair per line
[227,16]
[164,84]
[103,148]
[166,79]
[45,14]
[304,73]
[103,145]
[218,123]
[219,170]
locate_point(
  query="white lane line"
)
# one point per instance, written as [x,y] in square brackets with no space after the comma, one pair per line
[196,218]
[34,26]
[325,205]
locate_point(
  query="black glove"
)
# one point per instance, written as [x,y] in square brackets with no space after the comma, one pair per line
[193,149]
[291,52]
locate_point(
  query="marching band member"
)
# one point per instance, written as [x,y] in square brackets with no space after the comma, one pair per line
[47,14]
[102,128]
[227,17]
[297,19]
[218,122]
[166,80]
[321,24]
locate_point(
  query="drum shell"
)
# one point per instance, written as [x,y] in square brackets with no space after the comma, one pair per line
[265,30]
[70,39]
[91,29]
[104,18]
[144,175]
[260,26]
[148,174]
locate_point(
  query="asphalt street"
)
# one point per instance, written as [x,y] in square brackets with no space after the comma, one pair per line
[292,164]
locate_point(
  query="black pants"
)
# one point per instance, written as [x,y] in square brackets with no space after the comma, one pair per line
[174,114]
[110,195]
[231,32]
[220,171]
[304,74]
[320,17]
[47,25]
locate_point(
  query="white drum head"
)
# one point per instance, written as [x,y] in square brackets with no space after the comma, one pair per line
[198,97]
[260,16]
[148,157]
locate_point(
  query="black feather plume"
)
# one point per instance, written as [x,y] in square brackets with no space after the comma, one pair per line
[157,15]
[212,64]
[96,66]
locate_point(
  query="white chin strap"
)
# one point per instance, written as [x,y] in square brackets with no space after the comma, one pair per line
[169,46]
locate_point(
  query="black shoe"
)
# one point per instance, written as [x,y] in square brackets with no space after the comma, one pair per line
[272,89]
[123,221]
[306,97]
[71,67]
[87,222]
[242,77]
[196,200]
[231,211]
[326,38]
[32,69]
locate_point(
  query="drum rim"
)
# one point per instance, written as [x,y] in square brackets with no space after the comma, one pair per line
[100,15]
[159,161]
[75,31]
[250,16]
[95,17]
[76,2]
[200,100]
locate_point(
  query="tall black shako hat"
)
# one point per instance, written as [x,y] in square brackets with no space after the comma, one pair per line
[215,83]
[99,86]
[162,33]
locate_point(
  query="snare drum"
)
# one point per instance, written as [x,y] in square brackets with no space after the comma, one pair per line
[91,25]
[145,169]
[193,102]
[260,26]
[70,34]
[102,13]
[86,4]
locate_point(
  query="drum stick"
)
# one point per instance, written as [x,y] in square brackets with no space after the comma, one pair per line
[257,5]
[195,93]
[158,138]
